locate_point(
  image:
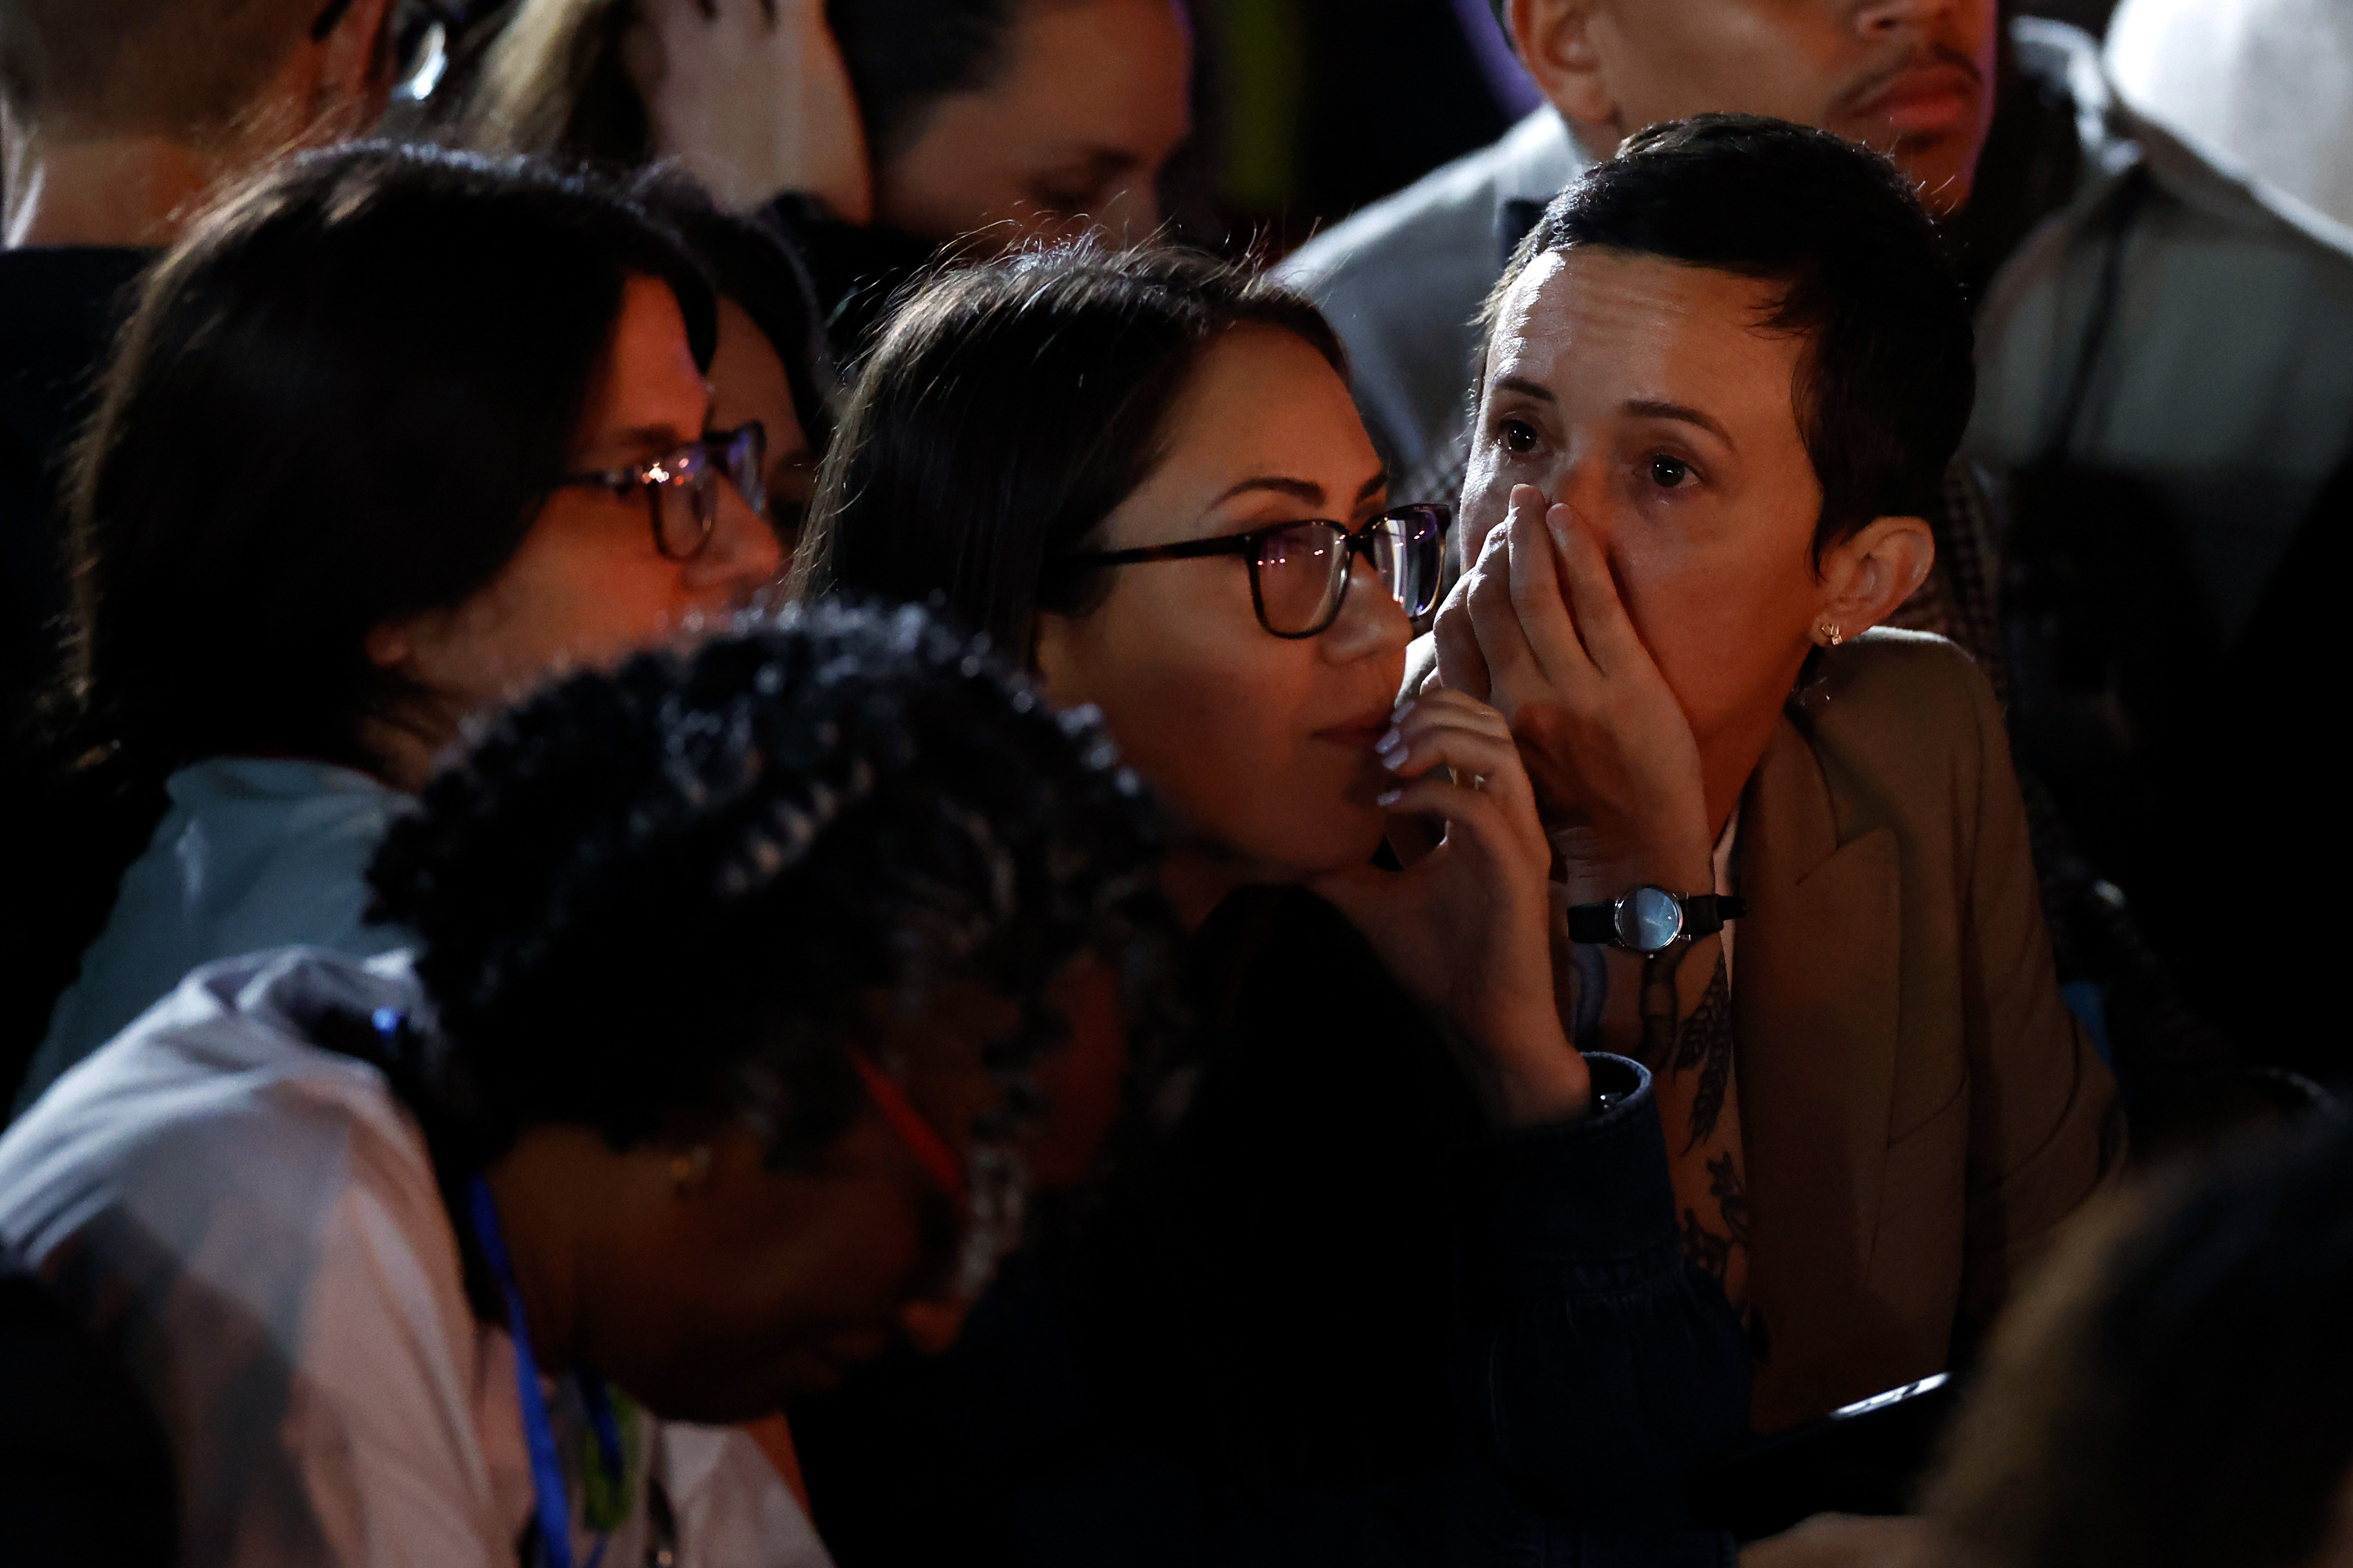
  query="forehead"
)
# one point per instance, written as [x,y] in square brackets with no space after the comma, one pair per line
[1260,401]
[1601,328]
[649,376]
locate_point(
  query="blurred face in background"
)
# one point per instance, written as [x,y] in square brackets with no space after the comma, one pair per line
[1914,79]
[1090,101]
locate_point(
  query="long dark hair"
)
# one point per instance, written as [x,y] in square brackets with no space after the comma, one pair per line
[1009,407]
[338,401]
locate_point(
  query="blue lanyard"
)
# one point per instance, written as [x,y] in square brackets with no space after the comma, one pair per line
[539,1432]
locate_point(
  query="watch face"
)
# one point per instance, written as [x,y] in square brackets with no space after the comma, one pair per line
[1650,919]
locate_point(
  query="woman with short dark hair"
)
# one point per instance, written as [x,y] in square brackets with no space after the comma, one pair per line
[391,433]
[1396,1278]
[717,1064]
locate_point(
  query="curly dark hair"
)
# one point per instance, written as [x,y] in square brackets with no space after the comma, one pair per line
[660,892]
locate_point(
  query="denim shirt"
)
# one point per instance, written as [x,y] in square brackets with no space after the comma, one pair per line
[254,853]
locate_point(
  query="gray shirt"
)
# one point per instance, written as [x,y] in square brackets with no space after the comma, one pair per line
[254,853]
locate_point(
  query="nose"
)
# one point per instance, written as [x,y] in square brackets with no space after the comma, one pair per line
[742,557]
[1372,624]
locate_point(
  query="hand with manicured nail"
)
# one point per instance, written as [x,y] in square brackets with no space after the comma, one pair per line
[1537,627]
[1466,928]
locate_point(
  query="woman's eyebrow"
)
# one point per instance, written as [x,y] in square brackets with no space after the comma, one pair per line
[1648,408]
[1302,489]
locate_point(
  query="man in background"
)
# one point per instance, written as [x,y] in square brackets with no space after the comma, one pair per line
[118,119]
[2166,394]
[1921,79]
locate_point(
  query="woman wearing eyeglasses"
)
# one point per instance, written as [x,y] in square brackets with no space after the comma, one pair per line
[1396,1279]
[393,432]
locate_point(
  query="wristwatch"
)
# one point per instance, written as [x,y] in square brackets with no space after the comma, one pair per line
[1651,919]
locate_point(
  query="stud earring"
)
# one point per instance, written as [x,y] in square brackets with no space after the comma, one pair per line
[1832,635]
[688,1170]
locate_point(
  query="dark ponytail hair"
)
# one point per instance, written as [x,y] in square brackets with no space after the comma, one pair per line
[1008,410]
[340,402]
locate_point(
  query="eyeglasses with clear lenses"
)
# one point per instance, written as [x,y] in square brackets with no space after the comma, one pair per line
[681,488]
[1300,572]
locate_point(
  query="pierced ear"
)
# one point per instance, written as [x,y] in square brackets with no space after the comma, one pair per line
[1868,576]
[1555,38]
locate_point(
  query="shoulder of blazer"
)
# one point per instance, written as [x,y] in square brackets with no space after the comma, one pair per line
[1897,719]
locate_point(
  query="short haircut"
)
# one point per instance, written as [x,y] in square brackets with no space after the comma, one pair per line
[180,68]
[1007,411]
[662,893]
[1885,384]
[340,402]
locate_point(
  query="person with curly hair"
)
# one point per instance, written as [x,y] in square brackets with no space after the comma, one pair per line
[736,971]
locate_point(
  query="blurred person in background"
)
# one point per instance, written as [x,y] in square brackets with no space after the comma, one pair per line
[117,122]
[1921,79]
[1394,1274]
[2177,1392]
[987,121]
[735,973]
[1728,369]
[2167,396]
[391,433]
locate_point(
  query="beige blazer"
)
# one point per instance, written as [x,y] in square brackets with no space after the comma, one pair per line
[1920,1111]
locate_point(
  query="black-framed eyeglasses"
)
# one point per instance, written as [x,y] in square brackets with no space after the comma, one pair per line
[1300,572]
[681,488]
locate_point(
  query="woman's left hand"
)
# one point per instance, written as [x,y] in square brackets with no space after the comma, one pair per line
[751,98]
[1465,929]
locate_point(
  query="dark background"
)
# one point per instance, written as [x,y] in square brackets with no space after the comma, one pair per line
[1311,109]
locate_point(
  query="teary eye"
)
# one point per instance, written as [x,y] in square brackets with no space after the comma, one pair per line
[1669,473]
[1519,437]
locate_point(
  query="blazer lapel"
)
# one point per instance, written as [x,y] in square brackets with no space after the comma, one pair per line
[1816,1015]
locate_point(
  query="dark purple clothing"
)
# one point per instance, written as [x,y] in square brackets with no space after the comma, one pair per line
[1329,1318]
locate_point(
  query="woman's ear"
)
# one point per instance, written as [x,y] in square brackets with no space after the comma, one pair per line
[1867,576]
[1555,38]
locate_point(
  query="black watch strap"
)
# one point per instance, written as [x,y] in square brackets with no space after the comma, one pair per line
[1704,914]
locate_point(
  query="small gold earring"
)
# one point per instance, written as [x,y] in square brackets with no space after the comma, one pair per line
[689,1169]
[1831,634]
